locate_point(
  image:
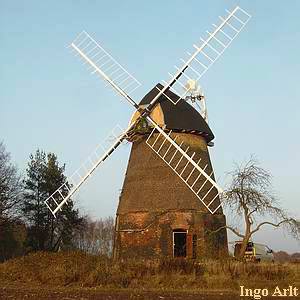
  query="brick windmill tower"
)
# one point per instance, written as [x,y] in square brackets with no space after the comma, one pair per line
[170,200]
[159,214]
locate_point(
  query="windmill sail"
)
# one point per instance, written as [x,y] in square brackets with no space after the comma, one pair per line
[103,64]
[73,183]
[205,55]
[195,174]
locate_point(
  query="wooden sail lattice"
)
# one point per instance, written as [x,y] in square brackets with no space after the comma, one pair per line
[196,173]
[100,62]
[60,196]
[196,64]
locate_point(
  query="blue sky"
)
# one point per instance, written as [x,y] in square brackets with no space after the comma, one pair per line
[48,100]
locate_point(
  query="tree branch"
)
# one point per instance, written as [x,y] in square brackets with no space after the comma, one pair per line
[270,223]
[230,228]
[253,211]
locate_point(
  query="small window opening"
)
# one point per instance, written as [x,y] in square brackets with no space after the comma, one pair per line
[179,243]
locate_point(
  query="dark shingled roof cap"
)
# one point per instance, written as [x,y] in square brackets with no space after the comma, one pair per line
[179,117]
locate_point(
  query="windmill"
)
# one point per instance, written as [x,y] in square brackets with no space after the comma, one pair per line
[170,197]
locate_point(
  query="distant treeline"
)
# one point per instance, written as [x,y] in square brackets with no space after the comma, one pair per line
[282,256]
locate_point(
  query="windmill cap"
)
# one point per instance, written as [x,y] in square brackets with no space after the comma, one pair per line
[180,117]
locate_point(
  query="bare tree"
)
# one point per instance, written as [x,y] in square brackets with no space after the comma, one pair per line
[96,237]
[251,199]
[10,187]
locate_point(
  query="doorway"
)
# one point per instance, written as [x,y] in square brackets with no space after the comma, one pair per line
[179,243]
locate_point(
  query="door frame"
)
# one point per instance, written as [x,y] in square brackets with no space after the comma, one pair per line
[179,231]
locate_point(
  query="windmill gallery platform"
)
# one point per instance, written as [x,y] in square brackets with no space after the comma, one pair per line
[158,214]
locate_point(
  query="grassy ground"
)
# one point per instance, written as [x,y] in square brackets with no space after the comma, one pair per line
[71,271]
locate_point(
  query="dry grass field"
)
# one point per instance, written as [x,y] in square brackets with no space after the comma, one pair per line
[75,275]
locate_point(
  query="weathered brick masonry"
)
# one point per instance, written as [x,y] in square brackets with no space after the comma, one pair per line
[155,202]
